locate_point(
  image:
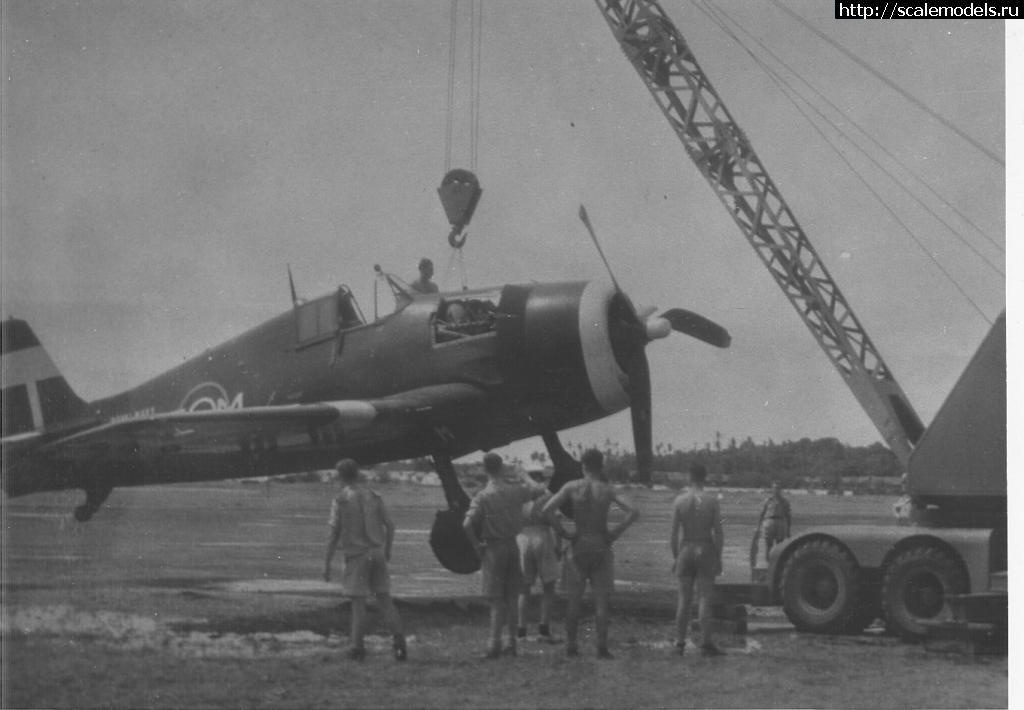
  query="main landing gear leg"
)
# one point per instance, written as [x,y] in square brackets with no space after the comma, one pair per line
[94,498]
[447,538]
[566,467]
[453,491]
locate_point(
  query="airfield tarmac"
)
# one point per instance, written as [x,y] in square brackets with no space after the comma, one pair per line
[210,595]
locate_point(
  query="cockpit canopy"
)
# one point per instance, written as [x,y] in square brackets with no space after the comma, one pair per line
[325,316]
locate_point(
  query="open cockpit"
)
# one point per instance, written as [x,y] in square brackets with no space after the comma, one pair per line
[469,314]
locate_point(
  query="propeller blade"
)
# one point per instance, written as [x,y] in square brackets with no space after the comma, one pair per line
[586,223]
[697,326]
[640,413]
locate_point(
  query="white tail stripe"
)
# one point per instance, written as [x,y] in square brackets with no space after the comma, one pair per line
[33,404]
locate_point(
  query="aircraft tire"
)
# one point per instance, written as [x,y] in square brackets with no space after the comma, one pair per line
[821,589]
[450,545]
[914,589]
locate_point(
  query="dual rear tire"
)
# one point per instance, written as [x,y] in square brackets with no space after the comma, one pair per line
[824,591]
[916,589]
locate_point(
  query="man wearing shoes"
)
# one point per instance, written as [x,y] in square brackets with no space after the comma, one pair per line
[360,523]
[498,511]
[590,555]
[697,549]
[538,559]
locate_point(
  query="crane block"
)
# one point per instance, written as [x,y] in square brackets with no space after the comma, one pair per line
[459,192]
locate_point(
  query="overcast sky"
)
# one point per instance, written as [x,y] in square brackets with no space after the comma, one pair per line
[164,161]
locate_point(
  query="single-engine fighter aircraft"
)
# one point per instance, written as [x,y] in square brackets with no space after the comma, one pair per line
[442,376]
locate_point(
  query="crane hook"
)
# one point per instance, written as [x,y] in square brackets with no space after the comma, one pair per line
[453,237]
[459,192]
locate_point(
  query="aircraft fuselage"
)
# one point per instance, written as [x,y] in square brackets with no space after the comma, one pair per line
[537,357]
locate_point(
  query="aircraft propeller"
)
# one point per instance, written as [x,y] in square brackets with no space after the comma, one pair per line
[630,330]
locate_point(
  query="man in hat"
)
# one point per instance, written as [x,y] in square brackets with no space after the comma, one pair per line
[498,511]
[360,523]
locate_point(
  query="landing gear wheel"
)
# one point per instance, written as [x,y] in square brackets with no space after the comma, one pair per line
[94,498]
[450,545]
[915,589]
[821,588]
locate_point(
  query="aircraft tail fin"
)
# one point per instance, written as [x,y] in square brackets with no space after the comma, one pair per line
[35,395]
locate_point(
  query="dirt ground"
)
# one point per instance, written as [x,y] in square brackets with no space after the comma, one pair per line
[207,596]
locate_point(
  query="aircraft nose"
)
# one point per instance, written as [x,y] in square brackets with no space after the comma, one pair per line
[555,345]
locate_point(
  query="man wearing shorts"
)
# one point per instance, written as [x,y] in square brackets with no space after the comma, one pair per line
[697,549]
[498,511]
[360,523]
[590,555]
[539,559]
[775,519]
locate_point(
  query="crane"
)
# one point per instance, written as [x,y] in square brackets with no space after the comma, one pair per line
[946,573]
[726,159]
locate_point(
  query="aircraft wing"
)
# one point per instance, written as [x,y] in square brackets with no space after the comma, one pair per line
[217,429]
[230,443]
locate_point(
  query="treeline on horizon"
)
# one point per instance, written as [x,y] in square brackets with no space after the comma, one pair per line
[806,463]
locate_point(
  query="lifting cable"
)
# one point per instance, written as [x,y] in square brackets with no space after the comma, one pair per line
[475,53]
[891,84]
[786,89]
[476,40]
[449,107]
[839,129]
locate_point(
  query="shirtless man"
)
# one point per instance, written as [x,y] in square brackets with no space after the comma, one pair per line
[697,549]
[590,555]
[424,284]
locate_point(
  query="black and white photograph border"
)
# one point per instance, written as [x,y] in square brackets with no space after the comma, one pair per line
[176,174]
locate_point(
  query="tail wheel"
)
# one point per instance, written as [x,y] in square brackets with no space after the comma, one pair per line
[916,587]
[821,588]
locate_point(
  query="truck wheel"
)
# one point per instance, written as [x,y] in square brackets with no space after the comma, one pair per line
[820,588]
[915,589]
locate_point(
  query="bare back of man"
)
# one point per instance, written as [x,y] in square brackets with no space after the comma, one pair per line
[696,544]
[590,556]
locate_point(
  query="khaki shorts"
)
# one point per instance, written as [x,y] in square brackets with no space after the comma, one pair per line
[502,578]
[774,530]
[365,574]
[591,559]
[537,556]
[696,559]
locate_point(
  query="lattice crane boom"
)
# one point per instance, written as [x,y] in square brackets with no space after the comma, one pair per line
[726,159]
